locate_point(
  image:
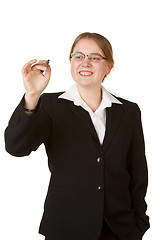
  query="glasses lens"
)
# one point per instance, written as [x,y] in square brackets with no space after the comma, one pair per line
[92,57]
[95,57]
[77,56]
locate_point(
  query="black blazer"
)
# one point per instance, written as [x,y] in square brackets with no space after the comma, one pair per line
[88,181]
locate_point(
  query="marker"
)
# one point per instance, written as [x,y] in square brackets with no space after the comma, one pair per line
[45,64]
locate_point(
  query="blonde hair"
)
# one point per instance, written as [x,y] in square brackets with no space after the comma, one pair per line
[101,41]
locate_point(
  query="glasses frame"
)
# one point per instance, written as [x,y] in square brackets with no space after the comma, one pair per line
[88,56]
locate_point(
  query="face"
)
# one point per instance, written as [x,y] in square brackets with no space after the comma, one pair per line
[85,72]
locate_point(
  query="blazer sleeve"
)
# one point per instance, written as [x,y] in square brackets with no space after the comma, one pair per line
[25,133]
[139,173]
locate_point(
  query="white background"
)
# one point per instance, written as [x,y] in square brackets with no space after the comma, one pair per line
[46,29]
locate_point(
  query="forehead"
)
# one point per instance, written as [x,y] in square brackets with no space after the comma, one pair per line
[87,45]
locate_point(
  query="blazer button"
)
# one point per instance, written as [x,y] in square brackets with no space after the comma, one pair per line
[98,160]
[99,188]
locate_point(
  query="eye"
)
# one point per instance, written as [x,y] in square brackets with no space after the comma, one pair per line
[95,57]
[77,56]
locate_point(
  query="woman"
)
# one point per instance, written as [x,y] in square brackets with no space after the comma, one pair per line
[95,148]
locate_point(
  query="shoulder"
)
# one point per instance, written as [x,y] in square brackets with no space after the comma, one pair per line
[51,103]
[129,106]
[50,98]
[54,95]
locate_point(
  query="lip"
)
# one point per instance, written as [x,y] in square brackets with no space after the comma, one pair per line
[84,73]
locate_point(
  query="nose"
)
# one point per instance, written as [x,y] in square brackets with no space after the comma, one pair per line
[86,61]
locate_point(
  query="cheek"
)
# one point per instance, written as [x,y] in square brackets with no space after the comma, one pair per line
[73,68]
[101,70]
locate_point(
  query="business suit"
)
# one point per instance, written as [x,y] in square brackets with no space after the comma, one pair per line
[89,181]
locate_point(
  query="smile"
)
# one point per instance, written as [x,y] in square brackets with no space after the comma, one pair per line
[85,73]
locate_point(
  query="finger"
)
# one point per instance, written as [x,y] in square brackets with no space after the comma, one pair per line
[38,67]
[41,61]
[47,74]
[27,67]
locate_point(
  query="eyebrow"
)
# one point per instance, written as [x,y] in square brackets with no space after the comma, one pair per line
[98,54]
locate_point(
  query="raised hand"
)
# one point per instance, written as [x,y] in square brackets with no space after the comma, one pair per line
[34,81]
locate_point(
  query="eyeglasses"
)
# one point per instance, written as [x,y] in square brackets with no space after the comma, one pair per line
[93,57]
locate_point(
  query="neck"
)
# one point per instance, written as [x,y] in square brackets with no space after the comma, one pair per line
[91,96]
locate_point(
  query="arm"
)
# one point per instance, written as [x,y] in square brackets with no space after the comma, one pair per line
[139,173]
[26,131]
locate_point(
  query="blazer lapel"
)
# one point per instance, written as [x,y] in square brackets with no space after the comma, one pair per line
[83,115]
[113,117]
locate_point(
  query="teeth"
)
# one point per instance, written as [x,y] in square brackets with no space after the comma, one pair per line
[86,73]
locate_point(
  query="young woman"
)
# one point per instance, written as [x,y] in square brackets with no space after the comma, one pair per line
[95,147]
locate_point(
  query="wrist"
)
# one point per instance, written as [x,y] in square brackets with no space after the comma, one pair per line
[31,101]
[29,110]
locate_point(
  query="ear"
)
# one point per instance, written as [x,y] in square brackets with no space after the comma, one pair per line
[109,68]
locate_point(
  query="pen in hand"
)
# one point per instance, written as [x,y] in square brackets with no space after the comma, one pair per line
[45,64]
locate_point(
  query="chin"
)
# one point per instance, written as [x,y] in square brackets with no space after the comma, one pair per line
[83,82]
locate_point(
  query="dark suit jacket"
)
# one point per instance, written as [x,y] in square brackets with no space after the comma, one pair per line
[89,181]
